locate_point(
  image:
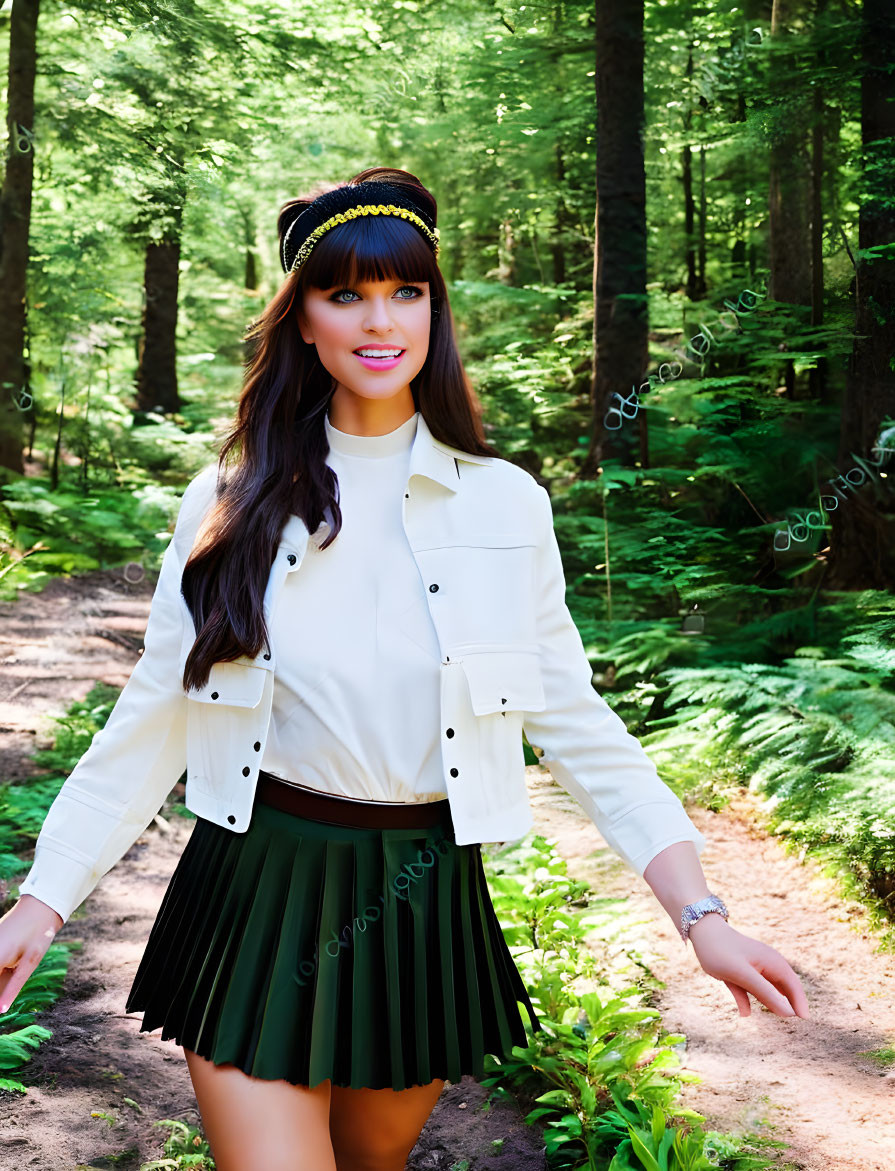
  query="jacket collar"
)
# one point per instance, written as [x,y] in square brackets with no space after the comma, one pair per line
[429,457]
[436,460]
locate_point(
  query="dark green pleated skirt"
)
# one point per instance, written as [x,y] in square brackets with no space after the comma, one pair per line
[305,950]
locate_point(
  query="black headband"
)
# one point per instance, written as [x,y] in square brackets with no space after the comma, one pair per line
[332,208]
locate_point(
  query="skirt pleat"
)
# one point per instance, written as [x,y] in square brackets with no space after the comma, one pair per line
[310,951]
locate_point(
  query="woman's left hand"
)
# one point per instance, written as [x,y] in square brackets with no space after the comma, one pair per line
[747,965]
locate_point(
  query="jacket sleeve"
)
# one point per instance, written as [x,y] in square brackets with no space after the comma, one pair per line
[134,761]
[587,747]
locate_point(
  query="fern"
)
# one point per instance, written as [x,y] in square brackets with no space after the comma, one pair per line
[816,738]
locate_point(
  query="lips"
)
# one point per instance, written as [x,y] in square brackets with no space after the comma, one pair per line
[380,363]
[384,358]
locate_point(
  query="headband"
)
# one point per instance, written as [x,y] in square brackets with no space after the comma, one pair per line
[332,208]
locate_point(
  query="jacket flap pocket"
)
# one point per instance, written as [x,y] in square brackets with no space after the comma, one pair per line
[505,679]
[482,539]
[262,662]
[236,684]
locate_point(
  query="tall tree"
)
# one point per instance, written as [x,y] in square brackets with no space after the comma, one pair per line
[694,240]
[789,194]
[816,376]
[15,224]
[156,377]
[863,538]
[619,277]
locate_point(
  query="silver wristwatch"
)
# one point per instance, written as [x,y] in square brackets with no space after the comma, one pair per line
[694,911]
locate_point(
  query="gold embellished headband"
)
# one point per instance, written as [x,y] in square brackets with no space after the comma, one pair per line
[343,204]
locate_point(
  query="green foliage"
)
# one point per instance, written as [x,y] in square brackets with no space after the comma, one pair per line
[80,533]
[74,731]
[599,1065]
[815,734]
[23,808]
[185,1146]
[19,1035]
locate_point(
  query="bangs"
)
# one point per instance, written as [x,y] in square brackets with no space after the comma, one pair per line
[369,248]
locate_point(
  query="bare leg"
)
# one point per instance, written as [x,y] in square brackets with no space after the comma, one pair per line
[375,1130]
[257,1125]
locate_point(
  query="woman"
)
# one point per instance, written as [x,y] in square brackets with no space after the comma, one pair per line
[352,626]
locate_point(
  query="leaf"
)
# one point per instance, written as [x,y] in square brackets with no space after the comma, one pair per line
[658,1124]
[557,1097]
[642,1151]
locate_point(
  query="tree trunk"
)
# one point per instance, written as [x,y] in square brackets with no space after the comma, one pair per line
[251,259]
[15,225]
[863,537]
[703,225]
[157,365]
[829,390]
[506,253]
[789,195]
[817,375]
[621,353]
[692,286]
[559,240]
[251,270]
[558,245]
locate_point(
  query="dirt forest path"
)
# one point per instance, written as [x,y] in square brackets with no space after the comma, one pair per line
[802,1082]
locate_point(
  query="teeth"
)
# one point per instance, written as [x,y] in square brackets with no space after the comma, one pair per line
[379,353]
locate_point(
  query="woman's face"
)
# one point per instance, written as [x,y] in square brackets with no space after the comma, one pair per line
[369,318]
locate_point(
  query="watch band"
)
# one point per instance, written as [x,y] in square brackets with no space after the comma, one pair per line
[694,911]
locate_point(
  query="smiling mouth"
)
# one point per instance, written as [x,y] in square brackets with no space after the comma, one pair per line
[381,355]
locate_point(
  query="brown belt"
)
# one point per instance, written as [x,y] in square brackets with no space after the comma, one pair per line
[345,810]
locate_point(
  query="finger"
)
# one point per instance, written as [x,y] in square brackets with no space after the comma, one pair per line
[784,979]
[741,997]
[765,992]
[15,982]
[13,988]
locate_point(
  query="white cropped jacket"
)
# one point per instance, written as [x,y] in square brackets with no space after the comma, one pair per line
[481,531]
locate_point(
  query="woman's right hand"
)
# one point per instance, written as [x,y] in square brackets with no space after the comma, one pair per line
[26,932]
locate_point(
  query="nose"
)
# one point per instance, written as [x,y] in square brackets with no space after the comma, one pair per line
[377,316]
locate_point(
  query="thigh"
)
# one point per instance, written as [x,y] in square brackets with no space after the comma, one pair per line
[253,1124]
[375,1130]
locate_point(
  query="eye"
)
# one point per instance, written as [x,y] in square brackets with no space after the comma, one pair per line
[417,293]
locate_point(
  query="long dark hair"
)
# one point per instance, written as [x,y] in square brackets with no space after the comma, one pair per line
[280,464]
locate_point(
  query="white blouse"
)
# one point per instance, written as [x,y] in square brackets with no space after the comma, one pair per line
[363,722]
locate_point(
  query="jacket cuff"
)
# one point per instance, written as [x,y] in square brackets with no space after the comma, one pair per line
[69,885]
[639,833]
